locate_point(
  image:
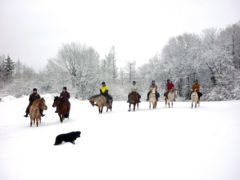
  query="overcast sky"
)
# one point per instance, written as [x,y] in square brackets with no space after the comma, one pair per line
[34,30]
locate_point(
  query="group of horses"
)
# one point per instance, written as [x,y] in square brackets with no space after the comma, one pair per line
[100,101]
[133,99]
[40,104]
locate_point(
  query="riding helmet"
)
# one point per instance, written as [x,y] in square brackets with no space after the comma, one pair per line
[34,89]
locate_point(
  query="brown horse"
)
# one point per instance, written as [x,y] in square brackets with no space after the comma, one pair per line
[62,108]
[100,101]
[34,110]
[134,100]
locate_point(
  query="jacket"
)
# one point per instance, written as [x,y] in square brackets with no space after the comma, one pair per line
[134,88]
[33,97]
[103,89]
[169,86]
[152,87]
[65,95]
[196,86]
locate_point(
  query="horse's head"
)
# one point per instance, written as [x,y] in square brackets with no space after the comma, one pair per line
[56,101]
[153,90]
[91,100]
[42,104]
[175,92]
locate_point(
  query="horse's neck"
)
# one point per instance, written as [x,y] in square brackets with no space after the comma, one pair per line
[170,95]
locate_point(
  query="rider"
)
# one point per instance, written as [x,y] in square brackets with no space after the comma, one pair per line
[134,88]
[65,96]
[152,86]
[196,86]
[169,86]
[34,96]
[104,92]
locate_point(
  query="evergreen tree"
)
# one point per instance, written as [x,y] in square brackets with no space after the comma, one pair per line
[8,69]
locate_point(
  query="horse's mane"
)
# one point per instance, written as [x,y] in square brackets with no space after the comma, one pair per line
[38,102]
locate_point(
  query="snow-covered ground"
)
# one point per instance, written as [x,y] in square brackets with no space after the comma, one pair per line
[163,144]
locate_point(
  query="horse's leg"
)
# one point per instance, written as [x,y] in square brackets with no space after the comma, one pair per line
[129,107]
[172,104]
[134,106]
[60,116]
[34,115]
[192,104]
[31,121]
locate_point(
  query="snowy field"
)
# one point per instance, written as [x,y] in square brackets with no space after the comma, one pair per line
[163,144]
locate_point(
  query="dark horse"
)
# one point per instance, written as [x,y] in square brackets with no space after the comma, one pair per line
[62,108]
[133,99]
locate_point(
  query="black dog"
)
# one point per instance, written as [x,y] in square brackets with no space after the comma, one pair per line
[69,137]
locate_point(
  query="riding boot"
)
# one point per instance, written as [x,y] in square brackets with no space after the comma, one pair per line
[41,112]
[108,104]
[67,115]
[139,97]
[27,111]
[148,95]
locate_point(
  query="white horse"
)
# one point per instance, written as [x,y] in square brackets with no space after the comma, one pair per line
[153,99]
[195,99]
[172,94]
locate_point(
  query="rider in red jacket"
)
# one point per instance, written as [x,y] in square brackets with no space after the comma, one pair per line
[169,86]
